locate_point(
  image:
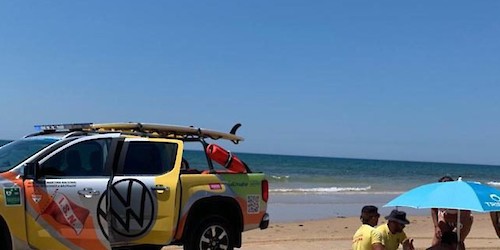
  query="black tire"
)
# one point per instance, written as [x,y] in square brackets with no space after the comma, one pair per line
[212,233]
[5,238]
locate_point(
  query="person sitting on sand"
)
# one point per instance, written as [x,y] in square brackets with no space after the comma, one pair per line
[445,220]
[366,237]
[392,232]
[495,219]
[448,242]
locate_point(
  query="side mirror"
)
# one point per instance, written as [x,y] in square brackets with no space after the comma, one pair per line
[32,170]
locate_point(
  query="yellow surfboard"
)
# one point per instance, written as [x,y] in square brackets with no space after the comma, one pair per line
[168,130]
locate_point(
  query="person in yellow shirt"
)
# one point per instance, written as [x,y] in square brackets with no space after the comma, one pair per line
[366,237]
[392,232]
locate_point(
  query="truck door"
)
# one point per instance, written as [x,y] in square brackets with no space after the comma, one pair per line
[62,204]
[143,193]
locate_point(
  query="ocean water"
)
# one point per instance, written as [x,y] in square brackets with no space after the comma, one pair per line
[303,187]
[323,175]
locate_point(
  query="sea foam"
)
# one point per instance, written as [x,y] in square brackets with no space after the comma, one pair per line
[320,190]
[280,178]
[494,183]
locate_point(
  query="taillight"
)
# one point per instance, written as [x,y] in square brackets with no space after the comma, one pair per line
[265,190]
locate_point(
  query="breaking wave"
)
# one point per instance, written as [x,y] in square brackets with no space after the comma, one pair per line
[280,178]
[320,190]
[494,183]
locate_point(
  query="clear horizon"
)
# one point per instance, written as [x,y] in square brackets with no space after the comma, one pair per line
[410,81]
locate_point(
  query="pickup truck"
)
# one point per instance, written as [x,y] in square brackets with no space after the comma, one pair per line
[126,186]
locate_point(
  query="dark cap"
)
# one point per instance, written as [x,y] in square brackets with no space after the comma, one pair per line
[397,216]
[369,210]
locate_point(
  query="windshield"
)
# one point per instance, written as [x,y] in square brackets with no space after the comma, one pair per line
[17,151]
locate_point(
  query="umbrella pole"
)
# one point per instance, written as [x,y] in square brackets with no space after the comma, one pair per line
[459,225]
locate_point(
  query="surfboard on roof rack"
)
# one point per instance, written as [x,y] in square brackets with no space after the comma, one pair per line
[169,130]
[162,130]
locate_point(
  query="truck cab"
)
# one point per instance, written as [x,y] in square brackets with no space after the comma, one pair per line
[124,185]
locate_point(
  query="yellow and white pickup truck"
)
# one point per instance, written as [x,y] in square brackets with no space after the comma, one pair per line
[125,186]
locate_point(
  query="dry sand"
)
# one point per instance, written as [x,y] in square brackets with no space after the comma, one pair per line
[337,233]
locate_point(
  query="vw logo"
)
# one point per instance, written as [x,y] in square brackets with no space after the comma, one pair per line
[132,209]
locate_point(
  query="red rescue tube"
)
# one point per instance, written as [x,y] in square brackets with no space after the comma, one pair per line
[225,158]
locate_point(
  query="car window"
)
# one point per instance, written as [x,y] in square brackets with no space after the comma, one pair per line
[86,158]
[149,158]
[16,152]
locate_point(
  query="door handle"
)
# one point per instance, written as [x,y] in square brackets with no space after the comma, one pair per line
[88,192]
[160,189]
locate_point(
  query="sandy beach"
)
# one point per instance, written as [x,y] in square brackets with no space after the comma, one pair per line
[336,233]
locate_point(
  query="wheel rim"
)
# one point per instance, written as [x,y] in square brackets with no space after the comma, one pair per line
[213,238]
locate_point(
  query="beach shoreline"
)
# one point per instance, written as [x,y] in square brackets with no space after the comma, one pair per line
[336,233]
[303,207]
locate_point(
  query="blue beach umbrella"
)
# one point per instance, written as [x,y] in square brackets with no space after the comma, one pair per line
[460,195]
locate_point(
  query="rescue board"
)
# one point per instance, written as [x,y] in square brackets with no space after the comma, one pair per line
[225,158]
[168,130]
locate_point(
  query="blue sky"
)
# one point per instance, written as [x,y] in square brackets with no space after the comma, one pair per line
[402,80]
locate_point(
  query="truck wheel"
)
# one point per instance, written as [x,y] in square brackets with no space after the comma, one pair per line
[5,240]
[212,233]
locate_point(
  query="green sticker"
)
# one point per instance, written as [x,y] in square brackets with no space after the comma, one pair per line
[12,196]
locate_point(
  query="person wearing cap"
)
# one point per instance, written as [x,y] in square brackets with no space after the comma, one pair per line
[366,237]
[392,232]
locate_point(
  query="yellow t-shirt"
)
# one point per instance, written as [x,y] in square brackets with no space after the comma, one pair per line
[389,240]
[365,237]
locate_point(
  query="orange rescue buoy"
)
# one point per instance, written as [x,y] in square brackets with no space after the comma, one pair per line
[225,158]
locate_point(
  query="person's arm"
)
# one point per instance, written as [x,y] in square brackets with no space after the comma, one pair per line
[496,222]
[434,215]
[408,244]
[378,246]
[377,240]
